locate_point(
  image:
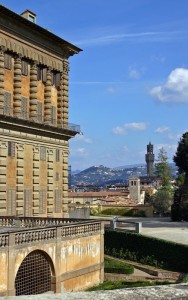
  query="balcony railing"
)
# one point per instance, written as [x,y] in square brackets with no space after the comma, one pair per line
[39,120]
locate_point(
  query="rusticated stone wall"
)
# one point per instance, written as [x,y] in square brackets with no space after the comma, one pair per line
[34,128]
[75,250]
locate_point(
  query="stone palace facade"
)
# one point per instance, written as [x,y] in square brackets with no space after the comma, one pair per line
[34,127]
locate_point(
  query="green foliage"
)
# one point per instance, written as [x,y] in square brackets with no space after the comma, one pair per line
[162,201]
[180,158]
[122,284]
[148,198]
[185,279]
[114,266]
[179,212]
[153,251]
[180,180]
[162,170]
[123,212]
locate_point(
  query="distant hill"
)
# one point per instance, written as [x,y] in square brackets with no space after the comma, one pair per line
[101,175]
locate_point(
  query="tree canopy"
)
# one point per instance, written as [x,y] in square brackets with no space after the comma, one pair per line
[162,170]
[181,156]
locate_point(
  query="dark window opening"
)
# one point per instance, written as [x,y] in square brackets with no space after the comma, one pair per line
[8,61]
[24,68]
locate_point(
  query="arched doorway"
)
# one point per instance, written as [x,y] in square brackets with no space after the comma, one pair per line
[34,274]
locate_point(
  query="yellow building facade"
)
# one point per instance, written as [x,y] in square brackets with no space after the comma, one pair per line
[34,125]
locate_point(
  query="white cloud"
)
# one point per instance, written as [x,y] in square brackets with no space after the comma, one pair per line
[160,59]
[83,138]
[112,90]
[79,152]
[162,129]
[130,127]
[169,148]
[134,73]
[145,36]
[175,89]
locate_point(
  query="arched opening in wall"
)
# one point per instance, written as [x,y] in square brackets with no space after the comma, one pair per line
[34,275]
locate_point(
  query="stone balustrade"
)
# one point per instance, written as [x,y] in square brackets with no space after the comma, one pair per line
[42,229]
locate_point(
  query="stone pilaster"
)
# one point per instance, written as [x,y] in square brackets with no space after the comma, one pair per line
[60,103]
[33,91]
[47,97]
[17,86]
[65,93]
[2,59]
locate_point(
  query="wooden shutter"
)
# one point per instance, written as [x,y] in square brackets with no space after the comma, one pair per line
[11,202]
[11,149]
[42,153]
[39,111]
[42,201]
[28,203]
[7,103]
[8,61]
[53,115]
[57,201]
[24,101]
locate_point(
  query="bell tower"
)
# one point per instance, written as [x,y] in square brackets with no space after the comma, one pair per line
[149,159]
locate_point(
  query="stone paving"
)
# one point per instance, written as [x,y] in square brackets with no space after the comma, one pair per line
[170,292]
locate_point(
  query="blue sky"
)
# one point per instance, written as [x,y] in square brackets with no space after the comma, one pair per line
[129,86]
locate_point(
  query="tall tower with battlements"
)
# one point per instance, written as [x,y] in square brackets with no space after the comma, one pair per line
[150,159]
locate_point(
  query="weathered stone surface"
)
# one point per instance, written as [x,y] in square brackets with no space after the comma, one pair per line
[175,292]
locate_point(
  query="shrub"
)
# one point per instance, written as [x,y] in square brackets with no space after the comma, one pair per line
[114,266]
[148,250]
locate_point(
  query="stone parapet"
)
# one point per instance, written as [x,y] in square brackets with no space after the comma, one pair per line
[174,291]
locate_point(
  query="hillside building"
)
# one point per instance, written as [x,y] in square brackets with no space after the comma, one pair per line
[34,125]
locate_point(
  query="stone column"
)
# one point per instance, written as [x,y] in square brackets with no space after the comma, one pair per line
[65,93]
[33,91]
[2,59]
[47,98]
[17,86]
[60,103]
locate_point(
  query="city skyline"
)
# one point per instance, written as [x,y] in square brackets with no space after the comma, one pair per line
[129,85]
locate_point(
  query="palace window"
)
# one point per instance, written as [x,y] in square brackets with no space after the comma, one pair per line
[8,61]
[41,73]
[11,149]
[24,67]
[7,103]
[24,102]
[55,79]
[57,201]
[43,153]
[57,155]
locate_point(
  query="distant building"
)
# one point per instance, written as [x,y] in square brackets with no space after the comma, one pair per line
[150,159]
[134,189]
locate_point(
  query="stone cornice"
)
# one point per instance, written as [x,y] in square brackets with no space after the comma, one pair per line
[30,127]
[70,48]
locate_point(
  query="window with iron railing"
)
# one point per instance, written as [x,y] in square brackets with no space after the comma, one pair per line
[11,149]
[7,103]
[43,153]
[24,105]
[39,111]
